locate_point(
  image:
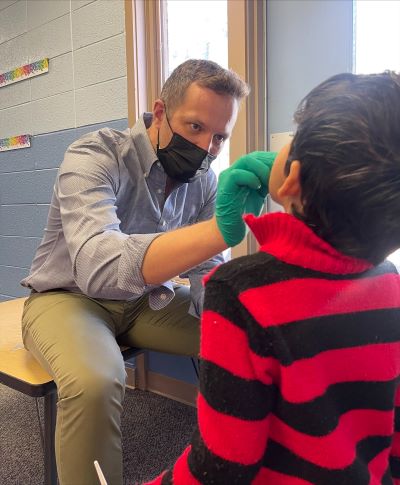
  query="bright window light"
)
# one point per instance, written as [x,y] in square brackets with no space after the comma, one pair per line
[377,44]
[377,36]
[198,29]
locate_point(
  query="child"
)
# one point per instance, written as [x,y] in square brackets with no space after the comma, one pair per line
[300,348]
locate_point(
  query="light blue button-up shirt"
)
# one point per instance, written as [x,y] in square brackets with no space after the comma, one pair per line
[107,207]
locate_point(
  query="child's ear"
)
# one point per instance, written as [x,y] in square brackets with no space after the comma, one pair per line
[291,187]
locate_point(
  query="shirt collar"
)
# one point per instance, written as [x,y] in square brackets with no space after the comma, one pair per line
[146,154]
[292,241]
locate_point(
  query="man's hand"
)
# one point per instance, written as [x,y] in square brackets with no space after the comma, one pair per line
[242,189]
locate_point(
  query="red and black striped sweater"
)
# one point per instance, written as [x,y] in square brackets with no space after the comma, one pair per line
[300,366]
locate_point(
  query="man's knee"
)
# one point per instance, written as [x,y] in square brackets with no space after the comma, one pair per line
[94,388]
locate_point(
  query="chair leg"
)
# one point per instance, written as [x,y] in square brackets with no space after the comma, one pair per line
[50,411]
[40,423]
[141,371]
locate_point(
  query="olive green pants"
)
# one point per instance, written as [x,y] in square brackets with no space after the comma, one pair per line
[75,338]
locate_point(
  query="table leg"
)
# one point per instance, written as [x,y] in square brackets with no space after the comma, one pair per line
[50,412]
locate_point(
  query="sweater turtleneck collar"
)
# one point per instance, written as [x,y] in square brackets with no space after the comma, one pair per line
[292,241]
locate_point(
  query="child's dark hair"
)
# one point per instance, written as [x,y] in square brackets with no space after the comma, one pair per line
[348,145]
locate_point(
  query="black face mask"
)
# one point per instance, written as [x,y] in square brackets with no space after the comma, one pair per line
[182,160]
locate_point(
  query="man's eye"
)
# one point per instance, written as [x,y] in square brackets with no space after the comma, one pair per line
[195,127]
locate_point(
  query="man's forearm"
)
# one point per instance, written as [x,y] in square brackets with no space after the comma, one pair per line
[177,251]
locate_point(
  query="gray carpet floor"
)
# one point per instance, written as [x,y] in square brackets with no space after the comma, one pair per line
[155,431]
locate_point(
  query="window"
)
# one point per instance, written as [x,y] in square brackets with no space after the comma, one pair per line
[197,30]
[377,44]
[377,36]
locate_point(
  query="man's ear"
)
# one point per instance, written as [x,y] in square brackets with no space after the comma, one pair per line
[291,187]
[158,113]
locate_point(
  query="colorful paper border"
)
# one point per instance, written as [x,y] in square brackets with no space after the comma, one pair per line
[24,72]
[15,142]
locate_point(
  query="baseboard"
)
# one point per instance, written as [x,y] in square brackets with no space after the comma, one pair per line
[172,388]
[160,384]
[130,377]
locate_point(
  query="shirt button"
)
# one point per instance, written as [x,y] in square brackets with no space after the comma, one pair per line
[163,296]
[159,191]
[158,164]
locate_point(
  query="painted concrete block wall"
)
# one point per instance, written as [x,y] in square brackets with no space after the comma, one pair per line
[26,183]
[86,84]
[84,89]
[307,41]
[85,41]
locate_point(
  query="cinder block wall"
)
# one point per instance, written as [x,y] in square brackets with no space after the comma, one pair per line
[84,89]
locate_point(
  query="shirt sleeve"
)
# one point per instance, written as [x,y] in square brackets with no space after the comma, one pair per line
[106,262]
[196,274]
[233,404]
[395,451]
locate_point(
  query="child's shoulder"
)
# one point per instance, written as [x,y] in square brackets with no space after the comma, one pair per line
[252,268]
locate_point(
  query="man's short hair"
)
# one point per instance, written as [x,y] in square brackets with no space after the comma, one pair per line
[207,74]
[348,145]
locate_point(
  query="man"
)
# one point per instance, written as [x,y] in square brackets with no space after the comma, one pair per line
[111,245]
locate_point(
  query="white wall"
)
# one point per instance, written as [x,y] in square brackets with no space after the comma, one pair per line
[86,83]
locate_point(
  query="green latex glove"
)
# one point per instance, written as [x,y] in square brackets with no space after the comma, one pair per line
[242,189]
